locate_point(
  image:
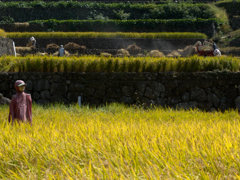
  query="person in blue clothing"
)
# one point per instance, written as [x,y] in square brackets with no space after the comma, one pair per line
[61,51]
[214,46]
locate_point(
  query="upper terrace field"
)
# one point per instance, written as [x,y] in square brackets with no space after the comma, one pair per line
[37,10]
[108,17]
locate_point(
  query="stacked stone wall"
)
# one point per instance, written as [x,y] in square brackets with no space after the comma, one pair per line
[204,90]
[6,46]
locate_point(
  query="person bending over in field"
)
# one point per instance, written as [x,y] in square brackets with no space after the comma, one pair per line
[20,108]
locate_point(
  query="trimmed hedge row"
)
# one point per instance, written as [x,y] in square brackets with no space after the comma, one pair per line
[207,26]
[166,35]
[27,11]
[110,64]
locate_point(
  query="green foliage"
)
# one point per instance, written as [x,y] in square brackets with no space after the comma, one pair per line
[117,64]
[166,35]
[233,8]
[26,11]
[120,14]
[6,20]
[233,11]
[142,25]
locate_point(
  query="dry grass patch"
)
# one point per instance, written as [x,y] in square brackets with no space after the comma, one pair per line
[122,53]
[52,48]
[155,53]
[74,47]
[134,49]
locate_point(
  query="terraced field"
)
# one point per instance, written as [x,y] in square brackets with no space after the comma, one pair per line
[118,142]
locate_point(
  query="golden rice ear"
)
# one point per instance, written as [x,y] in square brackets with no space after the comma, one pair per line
[3,33]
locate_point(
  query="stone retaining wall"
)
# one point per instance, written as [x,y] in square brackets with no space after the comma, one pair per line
[205,90]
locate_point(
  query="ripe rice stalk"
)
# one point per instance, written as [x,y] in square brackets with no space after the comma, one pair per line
[91,66]
[179,65]
[150,67]
[102,64]
[130,66]
[37,65]
[80,66]
[52,65]
[144,64]
[58,64]
[6,64]
[28,65]
[3,33]
[22,66]
[154,143]
[48,63]
[74,64]
[171,65]
[45,64]
[195,64]
[14,68]
[137,66]
[66,66]
[159,66]
[116,65]
[123,66]
[109,65]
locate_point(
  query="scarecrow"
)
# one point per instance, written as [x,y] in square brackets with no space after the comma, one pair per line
[20,108]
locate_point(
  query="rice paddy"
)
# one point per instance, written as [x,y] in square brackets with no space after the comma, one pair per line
[120,142]
[117,64]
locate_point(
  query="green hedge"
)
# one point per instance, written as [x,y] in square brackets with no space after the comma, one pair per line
[147,25]
[110,64]
[27,11]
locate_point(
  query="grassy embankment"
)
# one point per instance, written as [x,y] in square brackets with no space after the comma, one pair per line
[117,142]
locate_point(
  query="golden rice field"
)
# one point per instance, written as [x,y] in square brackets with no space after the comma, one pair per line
[118,142]
[164,35]
[118,64]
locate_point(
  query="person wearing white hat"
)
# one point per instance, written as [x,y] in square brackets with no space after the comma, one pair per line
[20,108]
[33,41]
